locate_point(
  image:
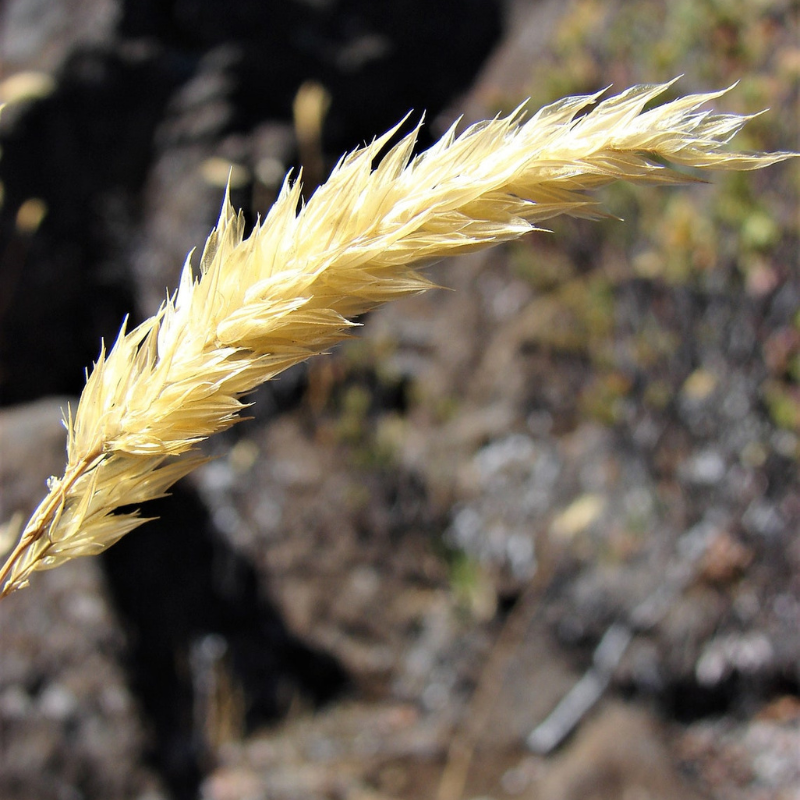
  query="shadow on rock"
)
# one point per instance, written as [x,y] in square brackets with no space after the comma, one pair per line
[210,657]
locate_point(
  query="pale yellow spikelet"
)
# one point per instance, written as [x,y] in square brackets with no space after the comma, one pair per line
[291,289]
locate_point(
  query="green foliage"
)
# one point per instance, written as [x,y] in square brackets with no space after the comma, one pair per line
[738,236]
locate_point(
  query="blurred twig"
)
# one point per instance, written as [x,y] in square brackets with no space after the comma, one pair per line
[614,643]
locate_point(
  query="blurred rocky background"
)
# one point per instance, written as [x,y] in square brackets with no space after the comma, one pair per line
[579,469]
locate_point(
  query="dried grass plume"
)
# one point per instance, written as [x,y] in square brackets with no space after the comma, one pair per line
[291,289]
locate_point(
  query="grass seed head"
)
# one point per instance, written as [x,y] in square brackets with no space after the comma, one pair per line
[257,305]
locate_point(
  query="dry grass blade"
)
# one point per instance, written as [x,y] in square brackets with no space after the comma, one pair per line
[291,289]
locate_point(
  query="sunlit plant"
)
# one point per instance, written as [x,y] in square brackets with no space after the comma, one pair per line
[255,306]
